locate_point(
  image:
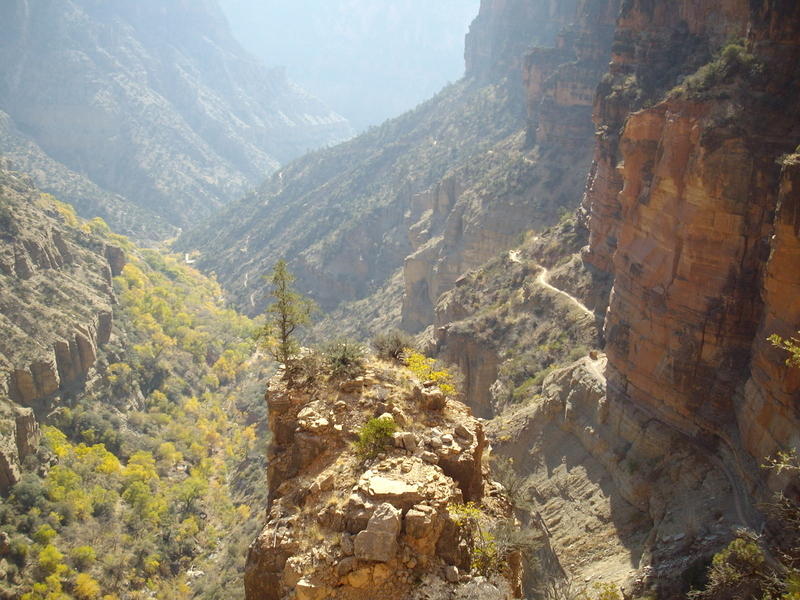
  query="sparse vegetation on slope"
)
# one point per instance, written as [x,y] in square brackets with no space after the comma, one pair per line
[143,485]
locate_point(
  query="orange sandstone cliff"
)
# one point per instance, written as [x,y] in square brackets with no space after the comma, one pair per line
[693,211]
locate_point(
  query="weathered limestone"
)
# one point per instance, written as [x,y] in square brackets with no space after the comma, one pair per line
[611,482]
[378,541]
[457,225]
[349,527]
[56,310]
[20,439]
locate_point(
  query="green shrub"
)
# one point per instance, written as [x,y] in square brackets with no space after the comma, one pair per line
[605,591]
[345,359]
[83,557]
[44,534]
[29,492]
[7,221]
[393,344]
[738,571]
[490,542]
[471,521]
[18,550]
[375,436]
[527,389]
[731,61]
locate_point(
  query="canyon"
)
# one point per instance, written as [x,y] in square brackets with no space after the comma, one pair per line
[678,263]
[149,115]
[597,228]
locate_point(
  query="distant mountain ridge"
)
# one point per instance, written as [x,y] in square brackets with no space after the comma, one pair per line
[153,101]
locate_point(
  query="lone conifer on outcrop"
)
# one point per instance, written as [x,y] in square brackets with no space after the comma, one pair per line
[289,311]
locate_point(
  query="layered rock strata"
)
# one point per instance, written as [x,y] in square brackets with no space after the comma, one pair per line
[341,525]
[20,440]
[501,33]
[692,217]
[56,301]
[462,226]
[435,192]
[614,503]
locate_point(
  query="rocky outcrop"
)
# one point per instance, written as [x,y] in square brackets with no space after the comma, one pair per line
[504,30]
[154,102]
[613,486]
[60,310]
[342,525]
[690,215]
[20,440]
[55,307]
[560,80]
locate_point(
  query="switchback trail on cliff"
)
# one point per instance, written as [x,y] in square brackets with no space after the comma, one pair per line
[541,279]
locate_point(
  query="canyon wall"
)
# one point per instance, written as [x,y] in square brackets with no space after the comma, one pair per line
[691,215]
[56,301]
[154,102]
[503,29]
[435,192]
[464,224]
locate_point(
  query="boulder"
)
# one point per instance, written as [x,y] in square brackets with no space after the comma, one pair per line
[378,542]
[433,399]
[346,565]
[405,440]
[308,590]
[394,491]
[451,573]
[418,520]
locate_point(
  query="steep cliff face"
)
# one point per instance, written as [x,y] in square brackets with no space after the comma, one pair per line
[20,439]
[617,506]
[152,101]
[56,293]
[429,195]
[344,525]
[767,413]
[692,217]
[500,34]
[463,226]
[691,207]
[55,307]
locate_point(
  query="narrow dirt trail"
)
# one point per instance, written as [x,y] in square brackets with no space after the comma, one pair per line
[597,367]
[541,279]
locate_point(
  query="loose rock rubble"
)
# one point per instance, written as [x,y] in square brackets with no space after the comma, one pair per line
[343,527]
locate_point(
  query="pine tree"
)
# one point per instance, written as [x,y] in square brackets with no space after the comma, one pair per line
[288,311]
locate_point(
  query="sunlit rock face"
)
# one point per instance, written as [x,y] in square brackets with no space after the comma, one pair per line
[342,526]
[692,210]
[459,224]
[56,301]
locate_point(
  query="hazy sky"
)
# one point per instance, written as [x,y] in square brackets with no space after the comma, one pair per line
[368,59]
